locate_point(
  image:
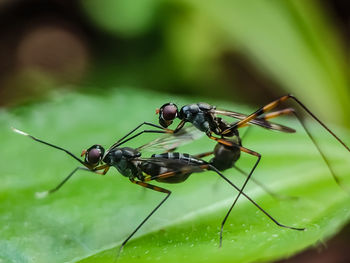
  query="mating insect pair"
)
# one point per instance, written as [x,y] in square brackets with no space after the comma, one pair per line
[172,167]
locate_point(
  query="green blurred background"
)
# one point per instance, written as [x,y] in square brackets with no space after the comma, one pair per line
[247,51]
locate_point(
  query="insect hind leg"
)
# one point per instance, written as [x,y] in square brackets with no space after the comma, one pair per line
[276,103]
[212,168]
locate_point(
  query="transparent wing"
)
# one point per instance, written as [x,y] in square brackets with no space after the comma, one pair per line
[258,121]
[168,142]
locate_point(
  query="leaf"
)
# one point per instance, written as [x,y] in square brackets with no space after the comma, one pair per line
[91,215]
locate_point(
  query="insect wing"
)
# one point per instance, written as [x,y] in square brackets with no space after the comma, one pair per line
[169,142]
[160,168]
[258,121]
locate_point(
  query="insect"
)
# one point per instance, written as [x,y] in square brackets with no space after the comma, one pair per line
[171,167]
[205,118]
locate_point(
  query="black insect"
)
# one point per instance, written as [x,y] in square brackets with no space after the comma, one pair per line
[168,167]
[205,118]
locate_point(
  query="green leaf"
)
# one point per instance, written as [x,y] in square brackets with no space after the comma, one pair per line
[91,215]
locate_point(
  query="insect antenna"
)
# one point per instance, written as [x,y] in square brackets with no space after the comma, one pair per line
[49,144]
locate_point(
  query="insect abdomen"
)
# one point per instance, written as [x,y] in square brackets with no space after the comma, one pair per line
[179,156]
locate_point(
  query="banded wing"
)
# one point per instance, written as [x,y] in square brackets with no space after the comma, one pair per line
[258,121]
[169,142]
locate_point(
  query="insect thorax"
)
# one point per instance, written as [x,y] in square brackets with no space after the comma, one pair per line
[198,114]
[123,159]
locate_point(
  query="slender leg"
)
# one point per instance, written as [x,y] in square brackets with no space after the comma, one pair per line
[258,113]
[155,188]
[210,167]
[179,126]
[275,114]
[55,189]
[201,155]
[267,190]
[301,121]
[335,177]
[246,133]
[277,102]
[138,126]
[136,135]
[240,192]
[220,140]
[273,105]
[273,126]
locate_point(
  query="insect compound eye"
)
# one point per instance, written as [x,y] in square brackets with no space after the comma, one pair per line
[94,154]
[169,111]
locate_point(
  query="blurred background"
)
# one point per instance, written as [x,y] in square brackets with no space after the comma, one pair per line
[243,51]
[248,51]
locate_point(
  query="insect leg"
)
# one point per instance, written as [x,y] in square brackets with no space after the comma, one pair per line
[335,177]
[246,133]
[211,167]
[266,189]
[275,114]
[44,194]
[155,188]
[104,167]
[220,140]
[179,126]
[243,149]
[292,111]
[273,105]
[55,189]
[257,113]
[136,135]
[138,126]
[274,126]
[201,155]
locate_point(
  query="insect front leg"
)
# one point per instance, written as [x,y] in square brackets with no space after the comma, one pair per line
[124,139]
[55,189]
[139,126]
[154,188]
[264,187]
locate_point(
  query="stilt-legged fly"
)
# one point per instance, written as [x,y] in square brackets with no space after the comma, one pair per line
[171,167]
[205,118]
